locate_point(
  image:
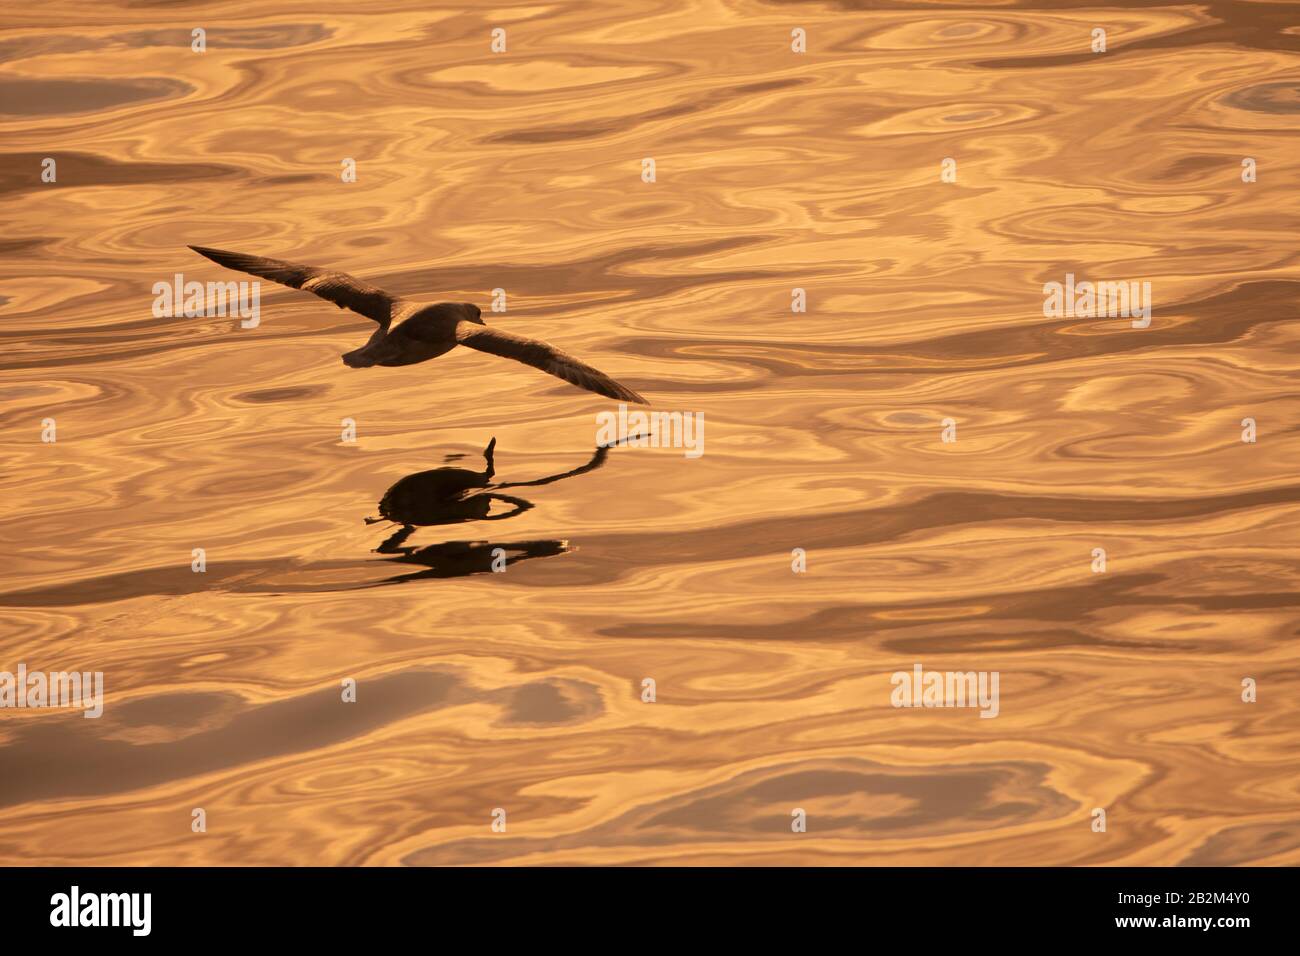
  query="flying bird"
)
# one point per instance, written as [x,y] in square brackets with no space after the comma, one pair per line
[411,332]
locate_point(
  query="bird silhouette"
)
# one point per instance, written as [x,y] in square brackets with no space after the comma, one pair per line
[456,495]
[444,496]
[411,332]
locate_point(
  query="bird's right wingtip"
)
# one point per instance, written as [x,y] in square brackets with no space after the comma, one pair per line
[209,253]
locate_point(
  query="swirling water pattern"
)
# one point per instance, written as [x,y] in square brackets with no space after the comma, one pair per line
[522,690]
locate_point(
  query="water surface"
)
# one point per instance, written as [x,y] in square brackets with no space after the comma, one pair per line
[522,690]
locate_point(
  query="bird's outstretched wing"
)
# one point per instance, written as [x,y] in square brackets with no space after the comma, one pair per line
[345,291]
[545,357]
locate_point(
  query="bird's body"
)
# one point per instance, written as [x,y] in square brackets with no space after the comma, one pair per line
[411,332]
[421,333]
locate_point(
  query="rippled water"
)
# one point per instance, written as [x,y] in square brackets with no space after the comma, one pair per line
[523,171]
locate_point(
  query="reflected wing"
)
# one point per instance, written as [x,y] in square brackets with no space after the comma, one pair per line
[545,357]
[345,291]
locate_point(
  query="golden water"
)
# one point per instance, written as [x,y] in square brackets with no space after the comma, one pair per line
[522,690]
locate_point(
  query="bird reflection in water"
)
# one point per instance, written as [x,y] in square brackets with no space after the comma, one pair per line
[455,495]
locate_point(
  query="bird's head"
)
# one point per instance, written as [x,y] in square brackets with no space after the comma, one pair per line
[472,312]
